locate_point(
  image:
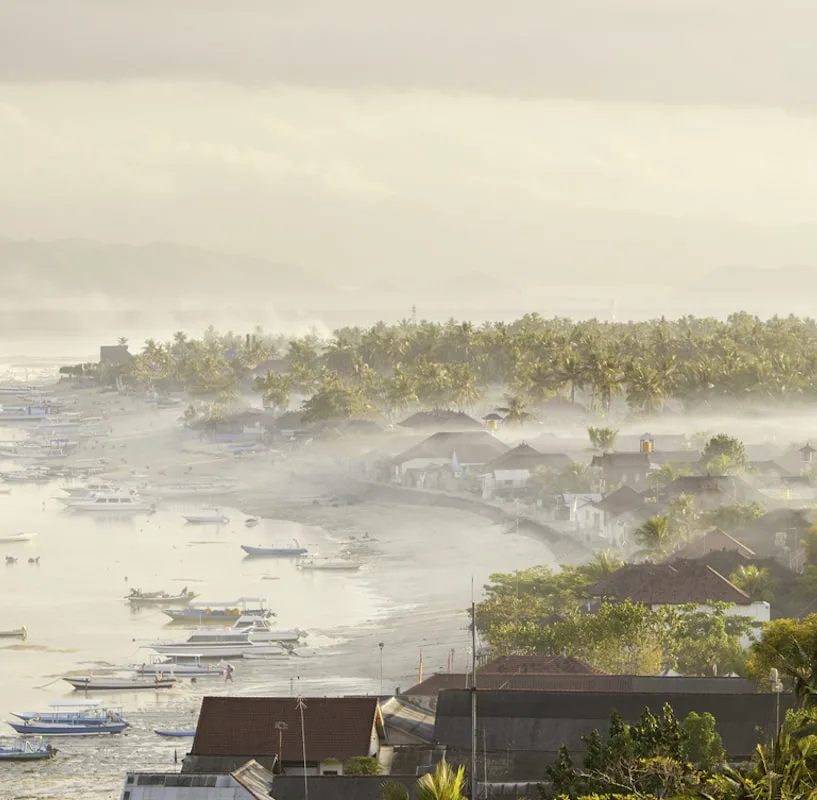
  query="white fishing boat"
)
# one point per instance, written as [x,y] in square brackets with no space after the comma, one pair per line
[337,563]
[89,683]
[206,519]
[113,503]
[180,665]
[194,489]
[17,537]
[93,487]
[263,633]
[218,644]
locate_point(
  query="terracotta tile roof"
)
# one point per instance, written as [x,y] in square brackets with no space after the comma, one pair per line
[622,461]
[477,447]
[669,584]
[335,727]
[523,456]
[538,665]
[441,419]
[620,501]
[716,539]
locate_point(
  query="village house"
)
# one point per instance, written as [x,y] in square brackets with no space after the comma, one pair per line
[509,473]
[441,419]
[114,355]
[623,469]
[234,730]
[438,461]
[676,584]
[712,541]
[249,782]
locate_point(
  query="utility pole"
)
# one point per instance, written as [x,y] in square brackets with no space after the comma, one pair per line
[281,726]
[473,694]
[301,707]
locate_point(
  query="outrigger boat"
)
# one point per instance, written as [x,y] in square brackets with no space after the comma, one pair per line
[219,644]
[84,720]
[294,551]
[139,598]
[90,683]
[221,613]
[28,750]
[17,537]
[181,665]
[206,519]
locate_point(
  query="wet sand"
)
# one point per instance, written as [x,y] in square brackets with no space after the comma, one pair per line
[411,593]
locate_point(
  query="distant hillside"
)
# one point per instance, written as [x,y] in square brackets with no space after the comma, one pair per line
[71,268]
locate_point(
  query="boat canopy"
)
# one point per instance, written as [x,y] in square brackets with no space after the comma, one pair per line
[76,704]
[231,603]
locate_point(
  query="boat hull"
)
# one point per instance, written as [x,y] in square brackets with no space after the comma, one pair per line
[193,520]
[63,729]
[274,552]
[175,734]
[216,651]
[103,685]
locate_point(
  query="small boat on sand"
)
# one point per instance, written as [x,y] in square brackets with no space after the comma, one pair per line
[15,633]
[84,711]
[206,519]
[87,683]
[263,633]
[181,665]
[28,750]
[17,537]
[70,719]
[139,598]
[174,734]
[314,562]
[223,613]
[293,551]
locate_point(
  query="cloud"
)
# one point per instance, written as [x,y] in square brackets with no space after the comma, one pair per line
[730,52]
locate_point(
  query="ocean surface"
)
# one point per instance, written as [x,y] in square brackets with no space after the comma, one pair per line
[411,594]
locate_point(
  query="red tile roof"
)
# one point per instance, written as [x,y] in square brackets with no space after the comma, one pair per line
[665,584]
[537,665]
[335,727]
[713,540]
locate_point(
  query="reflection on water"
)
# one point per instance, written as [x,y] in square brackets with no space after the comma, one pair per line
[411,593]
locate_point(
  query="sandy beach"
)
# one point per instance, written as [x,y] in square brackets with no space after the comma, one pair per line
[411,593]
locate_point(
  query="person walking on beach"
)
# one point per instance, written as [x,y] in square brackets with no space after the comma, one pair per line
[228,673]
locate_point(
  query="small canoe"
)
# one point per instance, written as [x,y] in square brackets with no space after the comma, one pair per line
[17,537]
[174,734]
[88,683]
[207,519]
[16,633]
[274,552]
[28,751]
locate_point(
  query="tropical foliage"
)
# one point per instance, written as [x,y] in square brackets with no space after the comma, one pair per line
[696,363]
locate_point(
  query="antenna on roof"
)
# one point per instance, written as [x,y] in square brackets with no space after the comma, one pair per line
[300,705]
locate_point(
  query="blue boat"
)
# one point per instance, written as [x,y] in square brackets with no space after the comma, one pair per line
[70,719]
[275,552]
[35,728]
[83,712]
[174,734]
[28,750]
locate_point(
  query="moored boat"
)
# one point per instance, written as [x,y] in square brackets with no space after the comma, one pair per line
[70,719]
[261,631]
[89,683]
[174,734]
[206,519]
[36,728]
[222,613]
[113,503]
[15,633]
[28,750]
[219,644]
[84,711]
[139,598]
[180,665]
[315,562]
[293,551]
[17,537]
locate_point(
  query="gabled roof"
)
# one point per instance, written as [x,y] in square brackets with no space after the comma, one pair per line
[716,539]
[114,354]
[477,447]
[334,727]
[716,486]
[523,456]
[537,665]
[623,460]
[660,457]
[621,501]
[441,419]
[669,584]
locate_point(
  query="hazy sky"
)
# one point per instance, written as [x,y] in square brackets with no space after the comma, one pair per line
[632,137]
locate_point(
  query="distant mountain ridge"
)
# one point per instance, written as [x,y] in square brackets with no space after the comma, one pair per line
[73,268]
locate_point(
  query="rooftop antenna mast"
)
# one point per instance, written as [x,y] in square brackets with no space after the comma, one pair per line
[301,706]
[473,694]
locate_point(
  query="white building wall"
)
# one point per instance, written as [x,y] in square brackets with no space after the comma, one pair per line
[227,788]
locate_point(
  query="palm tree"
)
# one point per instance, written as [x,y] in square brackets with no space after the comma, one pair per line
[391,790]
[515,411]
[655,537]
[444,783]
[601,565]
[753,580]
[276,390]
[602,438]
